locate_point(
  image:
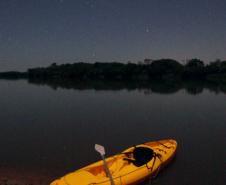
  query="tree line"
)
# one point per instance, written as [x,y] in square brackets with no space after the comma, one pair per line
[162,69]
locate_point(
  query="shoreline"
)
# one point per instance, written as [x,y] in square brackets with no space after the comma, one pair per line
[21,176]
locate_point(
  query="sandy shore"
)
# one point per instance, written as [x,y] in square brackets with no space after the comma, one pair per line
[16,176]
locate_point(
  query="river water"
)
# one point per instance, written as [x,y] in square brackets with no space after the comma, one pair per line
[46,132]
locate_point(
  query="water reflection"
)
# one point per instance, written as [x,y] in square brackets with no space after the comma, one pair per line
[147,87]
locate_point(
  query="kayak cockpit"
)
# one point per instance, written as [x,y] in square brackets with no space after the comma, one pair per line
[130,159]
[139,156]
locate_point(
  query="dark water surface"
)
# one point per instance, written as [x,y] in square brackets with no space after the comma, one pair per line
[54,131]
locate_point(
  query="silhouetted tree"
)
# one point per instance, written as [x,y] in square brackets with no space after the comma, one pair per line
[165,67]
[194,68]
[194,63]
[213,67]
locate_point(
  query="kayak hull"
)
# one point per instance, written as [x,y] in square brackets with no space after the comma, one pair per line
[123,172]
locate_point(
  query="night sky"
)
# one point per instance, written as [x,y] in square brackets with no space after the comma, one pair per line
[40,32]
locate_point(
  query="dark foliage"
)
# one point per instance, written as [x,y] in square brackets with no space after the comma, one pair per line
[194,69]
[163,69]
[13,75]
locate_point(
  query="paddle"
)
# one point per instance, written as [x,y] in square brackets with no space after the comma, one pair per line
[100,149]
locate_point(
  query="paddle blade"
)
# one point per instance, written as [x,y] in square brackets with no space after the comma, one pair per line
[100,149]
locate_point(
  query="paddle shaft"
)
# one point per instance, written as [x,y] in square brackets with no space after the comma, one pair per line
[108,171]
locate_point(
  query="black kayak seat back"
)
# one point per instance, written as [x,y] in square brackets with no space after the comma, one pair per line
[142,156]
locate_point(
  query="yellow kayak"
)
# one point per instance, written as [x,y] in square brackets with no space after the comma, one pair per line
[132,166]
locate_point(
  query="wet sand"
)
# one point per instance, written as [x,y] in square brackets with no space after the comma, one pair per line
[18,176]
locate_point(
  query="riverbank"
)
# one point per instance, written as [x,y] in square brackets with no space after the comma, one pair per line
[22,176]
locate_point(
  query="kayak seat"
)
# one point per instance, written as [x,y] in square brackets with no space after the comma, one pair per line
[141,156]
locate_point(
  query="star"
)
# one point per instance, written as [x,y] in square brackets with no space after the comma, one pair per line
[94,54]
[147,30]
